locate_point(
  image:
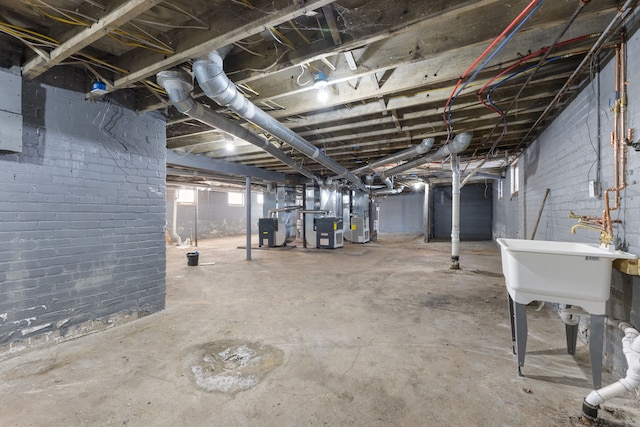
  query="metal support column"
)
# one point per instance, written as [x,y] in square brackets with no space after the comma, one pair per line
[426,218]
[248,214]
[455,212]
[196,218]
[596,338]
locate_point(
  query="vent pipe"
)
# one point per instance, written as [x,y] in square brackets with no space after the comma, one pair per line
[459,144]
[389,191]
[217,86]
[178,86]
[422,148]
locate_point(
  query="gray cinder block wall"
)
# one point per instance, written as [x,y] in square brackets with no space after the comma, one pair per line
[215,217]
[564,159]
[402,213]
[82,215]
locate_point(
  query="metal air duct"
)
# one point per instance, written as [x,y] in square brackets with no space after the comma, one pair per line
[217,86]
[178,86]
[419,149]
[459,144]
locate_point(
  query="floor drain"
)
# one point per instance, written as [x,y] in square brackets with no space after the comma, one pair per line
[231,366]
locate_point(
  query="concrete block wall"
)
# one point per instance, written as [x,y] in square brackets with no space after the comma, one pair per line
[215,217]
[82,214]
[402,213]
[564,159]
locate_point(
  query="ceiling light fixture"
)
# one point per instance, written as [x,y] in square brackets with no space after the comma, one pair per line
[230,147]
[321,82]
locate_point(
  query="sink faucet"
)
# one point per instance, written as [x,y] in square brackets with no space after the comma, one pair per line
[605,238]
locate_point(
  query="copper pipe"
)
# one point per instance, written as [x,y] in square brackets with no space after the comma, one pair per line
[617,138]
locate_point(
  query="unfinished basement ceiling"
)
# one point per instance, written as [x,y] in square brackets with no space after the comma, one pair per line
[391,69]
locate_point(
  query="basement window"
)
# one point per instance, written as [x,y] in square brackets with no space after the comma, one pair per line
[236,199]
[515,179]
[186,196]
[500,188]
[260,198]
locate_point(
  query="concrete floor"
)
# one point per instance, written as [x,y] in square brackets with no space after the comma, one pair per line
[382,334]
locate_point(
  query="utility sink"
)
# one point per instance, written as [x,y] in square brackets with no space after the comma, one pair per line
[560,272]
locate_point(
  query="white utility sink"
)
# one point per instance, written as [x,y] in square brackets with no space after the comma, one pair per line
[562,272]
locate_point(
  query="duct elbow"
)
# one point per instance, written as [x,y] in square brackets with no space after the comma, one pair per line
[178,85]
[460,142]
[425,145]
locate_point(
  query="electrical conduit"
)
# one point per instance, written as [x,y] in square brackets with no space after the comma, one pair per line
[217,86]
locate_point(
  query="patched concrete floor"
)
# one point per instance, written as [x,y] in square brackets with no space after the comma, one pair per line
[382,334]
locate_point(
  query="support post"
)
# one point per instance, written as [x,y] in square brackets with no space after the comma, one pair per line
[455,212]
[247,204]
[174,219]
[196,218]
[596,340]
[426,218]
[304,216]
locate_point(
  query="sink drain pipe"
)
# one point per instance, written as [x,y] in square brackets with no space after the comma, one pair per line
[455,212]
[178,85]
[217,86]
[630,383]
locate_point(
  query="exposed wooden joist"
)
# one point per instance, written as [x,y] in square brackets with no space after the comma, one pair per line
[224,34]
[333,25]
[84,38]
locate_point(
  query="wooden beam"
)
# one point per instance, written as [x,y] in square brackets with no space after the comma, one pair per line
[84,38]
[218,37]
[333,25]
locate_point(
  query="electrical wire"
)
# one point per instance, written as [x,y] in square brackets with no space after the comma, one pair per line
[492,106]
[249,50]
[525,14]
[533,55]
[127,38]
[267,68]
[280,38]
[303,69]
[68,15]
[497,109]
[33,38]
[203,24]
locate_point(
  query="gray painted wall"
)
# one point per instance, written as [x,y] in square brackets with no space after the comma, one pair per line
[475,212]
[564,159]
[402,213]
[82,213]
[215,217]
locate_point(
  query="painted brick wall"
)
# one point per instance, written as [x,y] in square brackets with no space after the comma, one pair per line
[564,159]
[82,213]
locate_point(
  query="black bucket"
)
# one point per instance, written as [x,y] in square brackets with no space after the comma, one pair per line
[192,258]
